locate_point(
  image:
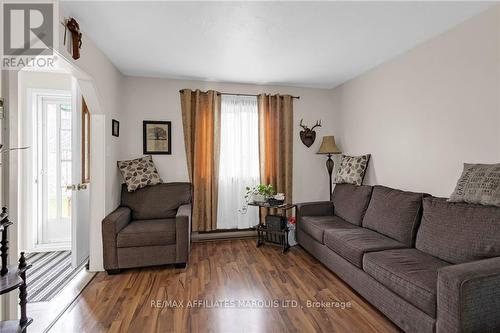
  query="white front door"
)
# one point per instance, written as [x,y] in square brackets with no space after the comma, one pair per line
[54,169]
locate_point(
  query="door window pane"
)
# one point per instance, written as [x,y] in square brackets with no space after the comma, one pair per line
[65,146]
[54,146]
[66,194]
[52,160]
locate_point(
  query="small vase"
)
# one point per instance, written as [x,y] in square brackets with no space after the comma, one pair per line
[259,198]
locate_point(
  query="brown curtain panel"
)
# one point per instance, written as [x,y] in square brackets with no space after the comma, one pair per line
[276,143]
[201,122]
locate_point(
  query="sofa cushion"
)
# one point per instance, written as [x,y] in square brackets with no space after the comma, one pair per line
[352,244]
[459,232]
[156,202]
[147,233]
[315,226]
[350,202]
[409,273]
[394,213]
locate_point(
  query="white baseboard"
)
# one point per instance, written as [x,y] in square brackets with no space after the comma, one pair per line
[50,247]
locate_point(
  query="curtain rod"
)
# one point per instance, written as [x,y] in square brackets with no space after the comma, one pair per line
[231,94]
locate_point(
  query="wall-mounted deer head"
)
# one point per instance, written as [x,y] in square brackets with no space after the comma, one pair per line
[308,135]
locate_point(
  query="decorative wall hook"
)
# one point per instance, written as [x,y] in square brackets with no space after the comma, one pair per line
[308,135]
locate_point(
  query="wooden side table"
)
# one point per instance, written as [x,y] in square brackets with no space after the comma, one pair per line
[263,232]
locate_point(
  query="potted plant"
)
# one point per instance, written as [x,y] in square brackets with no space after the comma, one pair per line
[259,193]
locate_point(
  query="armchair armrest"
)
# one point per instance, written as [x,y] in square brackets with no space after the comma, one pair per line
[468,297]
[111,226]
[183,233]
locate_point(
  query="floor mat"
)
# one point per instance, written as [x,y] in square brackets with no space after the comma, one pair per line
[50,272]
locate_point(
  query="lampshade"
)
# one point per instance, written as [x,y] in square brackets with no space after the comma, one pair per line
[328,146]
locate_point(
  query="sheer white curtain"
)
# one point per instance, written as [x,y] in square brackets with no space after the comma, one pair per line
[239,161]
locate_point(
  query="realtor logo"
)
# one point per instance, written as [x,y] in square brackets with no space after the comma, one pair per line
[28,32]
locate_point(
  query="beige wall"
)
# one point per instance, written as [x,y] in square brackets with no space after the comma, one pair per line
[427,111]
[158,99]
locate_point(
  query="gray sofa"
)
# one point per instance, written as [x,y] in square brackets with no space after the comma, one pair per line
[151,227]
[427,264]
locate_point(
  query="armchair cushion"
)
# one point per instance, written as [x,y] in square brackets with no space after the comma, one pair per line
[469,297]
[351,201]
[156,202]
[147,233]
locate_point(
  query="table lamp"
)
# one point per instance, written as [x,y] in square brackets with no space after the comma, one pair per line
[329,147]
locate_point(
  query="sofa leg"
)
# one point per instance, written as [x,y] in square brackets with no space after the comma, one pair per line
[113,271]
[181,265]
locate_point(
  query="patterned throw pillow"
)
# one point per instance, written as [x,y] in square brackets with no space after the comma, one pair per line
[479,184]
[352,169]
[139,173]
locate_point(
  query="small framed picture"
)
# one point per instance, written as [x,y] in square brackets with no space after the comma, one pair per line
[115,128]
[157,137]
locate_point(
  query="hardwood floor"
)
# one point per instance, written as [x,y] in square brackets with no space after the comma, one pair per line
[248,282]
[44,313]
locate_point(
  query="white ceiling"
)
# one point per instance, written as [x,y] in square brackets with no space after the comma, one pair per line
[315,44]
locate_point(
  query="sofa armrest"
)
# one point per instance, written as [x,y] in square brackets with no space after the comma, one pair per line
[468,297]
[183,233]
[316,208]
[111,226]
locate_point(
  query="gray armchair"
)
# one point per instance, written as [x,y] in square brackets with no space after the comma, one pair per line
[151,227]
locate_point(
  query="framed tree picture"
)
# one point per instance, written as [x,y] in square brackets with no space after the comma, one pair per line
[157,137]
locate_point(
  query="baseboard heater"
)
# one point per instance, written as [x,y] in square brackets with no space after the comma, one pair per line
[218,235]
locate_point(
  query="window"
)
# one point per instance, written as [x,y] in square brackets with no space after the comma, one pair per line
[239,160]
[85,143]
[53,158]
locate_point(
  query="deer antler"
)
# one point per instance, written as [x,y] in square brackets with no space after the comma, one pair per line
[303,126]
[318,124]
